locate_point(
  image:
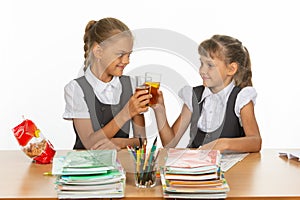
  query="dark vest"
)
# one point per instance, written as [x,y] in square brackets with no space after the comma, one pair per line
[100,113]
[230,127]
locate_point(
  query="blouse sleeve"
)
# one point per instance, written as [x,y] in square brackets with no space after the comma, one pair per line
[76,106]
[185,94]
[246,95]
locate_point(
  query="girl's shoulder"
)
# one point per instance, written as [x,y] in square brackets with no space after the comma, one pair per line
[72,87]
[247,92]
[246,95]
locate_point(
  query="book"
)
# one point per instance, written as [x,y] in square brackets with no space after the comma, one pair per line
[110,177]
[192,158]
[195,183]
[90,158]
[193,173]
[84,162]
[89,174]
[187,176]
[207,189]
[113,186]
[91,194]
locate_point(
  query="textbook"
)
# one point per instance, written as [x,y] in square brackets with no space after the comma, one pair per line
[192,158]
[193,173]
[187,176]
[89,174]
[208,186]
[84,162]
[90,158]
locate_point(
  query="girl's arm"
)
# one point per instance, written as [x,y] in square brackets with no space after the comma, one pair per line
[138,132]
[252,140]
[93,140]
[87,136]
[170,136]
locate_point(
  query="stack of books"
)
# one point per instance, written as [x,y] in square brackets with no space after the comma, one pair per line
[89,174]
[194,174]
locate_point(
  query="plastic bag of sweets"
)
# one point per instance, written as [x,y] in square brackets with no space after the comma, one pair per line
[33,143]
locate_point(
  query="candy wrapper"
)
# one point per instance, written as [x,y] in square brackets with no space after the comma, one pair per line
[33,143]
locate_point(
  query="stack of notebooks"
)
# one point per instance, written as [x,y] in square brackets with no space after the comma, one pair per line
[194,174]
[89,174]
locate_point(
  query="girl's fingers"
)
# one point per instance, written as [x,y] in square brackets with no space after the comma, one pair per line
[100,143]
[140,93]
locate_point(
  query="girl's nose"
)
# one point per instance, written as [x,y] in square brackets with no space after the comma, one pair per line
[202,71]
[125,59]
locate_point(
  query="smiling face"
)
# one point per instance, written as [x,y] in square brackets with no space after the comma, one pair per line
[215,73]
[116,56]
[113,56]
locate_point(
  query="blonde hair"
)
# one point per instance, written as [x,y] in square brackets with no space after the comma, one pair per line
[230,50]
[99,31]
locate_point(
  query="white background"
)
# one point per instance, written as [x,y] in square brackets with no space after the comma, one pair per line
[41,50]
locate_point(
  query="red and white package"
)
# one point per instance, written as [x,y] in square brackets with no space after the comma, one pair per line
[33,143]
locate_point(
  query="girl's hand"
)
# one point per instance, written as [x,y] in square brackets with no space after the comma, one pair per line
[217,144]
[138,103]
[160,102]
[105,143]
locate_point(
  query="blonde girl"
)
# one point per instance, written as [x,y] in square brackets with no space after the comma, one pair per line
[101,103]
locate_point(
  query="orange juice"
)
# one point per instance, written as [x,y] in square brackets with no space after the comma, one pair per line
[154,86]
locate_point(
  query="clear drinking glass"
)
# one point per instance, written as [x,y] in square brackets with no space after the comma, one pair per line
[154,85]
[140,83]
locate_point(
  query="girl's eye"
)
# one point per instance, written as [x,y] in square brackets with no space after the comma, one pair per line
[210,65]
[120,55]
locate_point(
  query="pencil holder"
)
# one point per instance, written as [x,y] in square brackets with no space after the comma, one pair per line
[145,177]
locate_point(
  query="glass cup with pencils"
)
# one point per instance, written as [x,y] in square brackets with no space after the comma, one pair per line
[154,84]
[145,166]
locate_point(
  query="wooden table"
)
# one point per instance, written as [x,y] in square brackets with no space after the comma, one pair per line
[262,175]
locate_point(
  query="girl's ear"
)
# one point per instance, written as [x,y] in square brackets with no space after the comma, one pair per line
[97,51]
[232,68]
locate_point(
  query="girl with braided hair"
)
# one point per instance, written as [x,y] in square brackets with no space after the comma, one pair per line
[102,102]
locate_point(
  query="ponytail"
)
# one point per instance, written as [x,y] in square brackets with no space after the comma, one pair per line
[243,77]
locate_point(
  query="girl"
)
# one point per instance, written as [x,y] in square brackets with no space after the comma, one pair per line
[101,103]
[221,111]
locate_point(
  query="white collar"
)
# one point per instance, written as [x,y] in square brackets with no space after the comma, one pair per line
[100,85]
[224,93]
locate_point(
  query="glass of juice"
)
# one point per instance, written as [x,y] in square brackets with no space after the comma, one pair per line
[140,83]
[154,85]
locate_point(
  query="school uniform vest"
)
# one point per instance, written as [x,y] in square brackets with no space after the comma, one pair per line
[230,127]
[101,113]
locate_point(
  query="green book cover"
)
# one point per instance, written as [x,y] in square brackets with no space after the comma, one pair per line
[90,159]
[109,175]
[85,162]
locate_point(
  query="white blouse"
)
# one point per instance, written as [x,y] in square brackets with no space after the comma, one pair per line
[214,106]
[107,93]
